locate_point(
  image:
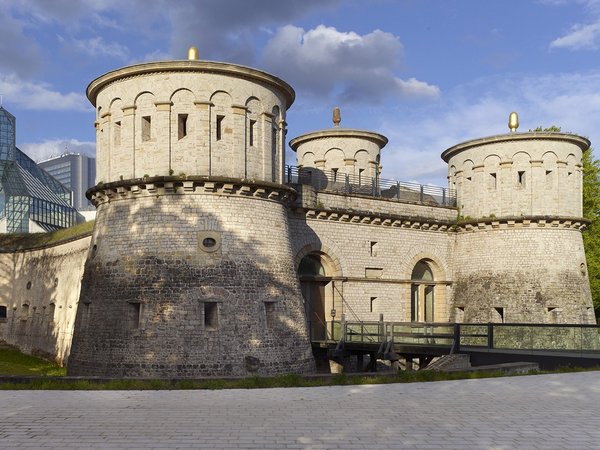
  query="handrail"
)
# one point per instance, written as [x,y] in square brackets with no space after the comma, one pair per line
[401,191]
[570,338]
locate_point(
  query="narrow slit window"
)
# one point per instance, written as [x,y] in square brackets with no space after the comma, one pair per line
[182,129]
[334,173]
[374,248]
[498,313]
[493,181]
[211,315]
[521,178]
[271,314]
[549,179]
[372,304]
[251,132]
[3,312]
[146,128]
[360,174]
[117,129]
[219,127]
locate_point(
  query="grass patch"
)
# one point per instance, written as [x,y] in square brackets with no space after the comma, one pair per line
[33,240]
[13,362]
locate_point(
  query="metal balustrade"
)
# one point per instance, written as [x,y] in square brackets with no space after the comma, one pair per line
[401,191]
[522,337]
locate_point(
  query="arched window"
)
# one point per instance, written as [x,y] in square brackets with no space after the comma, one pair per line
[422,293]
[311,266]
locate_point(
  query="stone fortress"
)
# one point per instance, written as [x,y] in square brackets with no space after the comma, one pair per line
[210,256]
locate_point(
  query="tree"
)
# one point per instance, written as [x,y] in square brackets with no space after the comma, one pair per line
[591,211]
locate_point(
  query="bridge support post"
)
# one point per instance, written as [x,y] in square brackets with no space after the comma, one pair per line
[490,335]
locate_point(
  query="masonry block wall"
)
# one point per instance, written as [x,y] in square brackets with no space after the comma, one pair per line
[39,292]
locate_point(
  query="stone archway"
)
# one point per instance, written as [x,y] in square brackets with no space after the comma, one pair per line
[422,293]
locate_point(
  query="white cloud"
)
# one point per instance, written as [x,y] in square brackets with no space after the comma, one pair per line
[325,61]
[40,96]
[97,46]
[481,108]
[40,151]
[579,38]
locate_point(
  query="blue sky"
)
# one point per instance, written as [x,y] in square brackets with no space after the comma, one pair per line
[426,73]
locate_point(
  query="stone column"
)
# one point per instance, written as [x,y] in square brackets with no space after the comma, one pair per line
[506,188]
[562,197]
[128,140]
[281,151]
[238,164]
[105,144]
[202,139]
[478,193]
[161,157]
[266,124]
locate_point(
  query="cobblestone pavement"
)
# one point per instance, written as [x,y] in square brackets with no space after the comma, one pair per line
[534,412]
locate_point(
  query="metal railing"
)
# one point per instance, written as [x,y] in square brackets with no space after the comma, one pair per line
[568,338]
[401,191]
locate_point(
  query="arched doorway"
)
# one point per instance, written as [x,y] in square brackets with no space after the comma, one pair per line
[313,283]
[422,293]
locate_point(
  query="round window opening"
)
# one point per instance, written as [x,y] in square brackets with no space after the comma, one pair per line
[29,285]
[209,242]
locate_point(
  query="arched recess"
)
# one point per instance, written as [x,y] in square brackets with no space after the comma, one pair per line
[145,134]
[323,300]
[334,164]
[428,287]
[422,293]
[276,143]
[184,129]
[221,118]
[255,158]
[361,167]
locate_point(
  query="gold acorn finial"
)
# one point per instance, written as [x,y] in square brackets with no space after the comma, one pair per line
[192,53]
[513,121]
[337,117]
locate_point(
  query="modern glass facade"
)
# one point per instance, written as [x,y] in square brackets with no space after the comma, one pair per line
[75,171]
[28,193]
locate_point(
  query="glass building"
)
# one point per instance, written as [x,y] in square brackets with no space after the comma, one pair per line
[31,200]
[75,171]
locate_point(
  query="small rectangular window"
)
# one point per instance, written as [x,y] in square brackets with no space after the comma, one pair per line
[459,314]
[146,128]
[117,132]
[360,175]
[3,311]
[521,178]
[219,127]
[251,132]
[374,248]
[182,126]
[133,315]
[211,315]
[271,314]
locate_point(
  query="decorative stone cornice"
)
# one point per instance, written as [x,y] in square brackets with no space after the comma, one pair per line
[378,219]
[157,186]
[159,67]
[377,138]
[531,222]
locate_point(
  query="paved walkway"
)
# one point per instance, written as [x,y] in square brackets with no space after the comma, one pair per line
[533,412]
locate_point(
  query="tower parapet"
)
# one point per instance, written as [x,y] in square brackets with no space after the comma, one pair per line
[518,174]
[341,151]
[190,117]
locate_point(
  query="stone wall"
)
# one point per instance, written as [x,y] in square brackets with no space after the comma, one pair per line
[40,289]
[521,271]
[191,281]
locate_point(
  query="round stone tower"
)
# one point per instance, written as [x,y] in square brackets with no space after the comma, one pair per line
[338,152]
[190,271]
[519,229]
